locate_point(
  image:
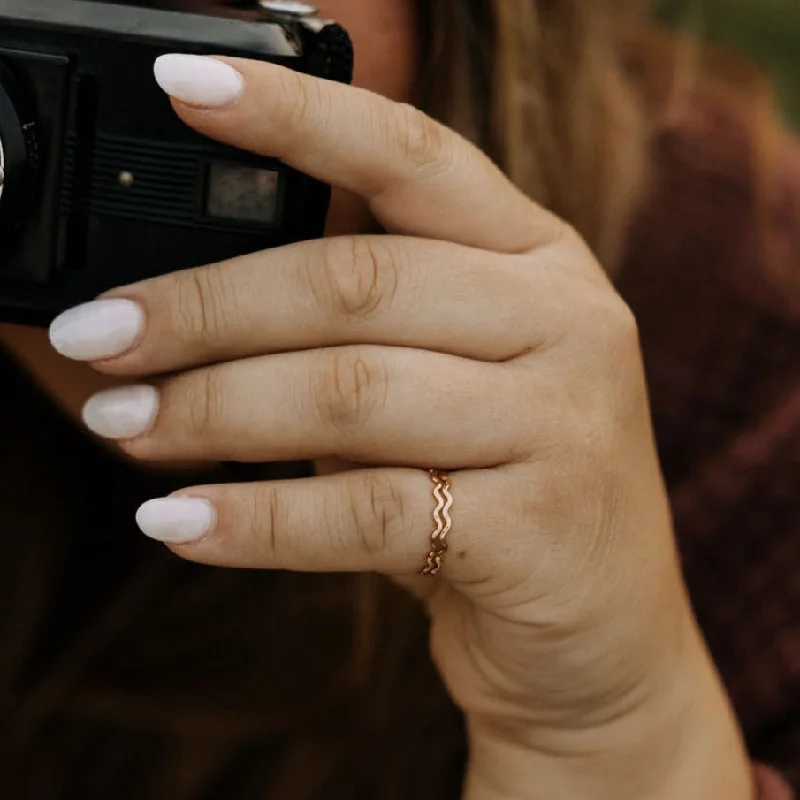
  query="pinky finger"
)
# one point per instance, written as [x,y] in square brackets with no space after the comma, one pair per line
[366,520]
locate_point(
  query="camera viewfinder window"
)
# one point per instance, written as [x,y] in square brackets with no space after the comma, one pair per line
[241,193]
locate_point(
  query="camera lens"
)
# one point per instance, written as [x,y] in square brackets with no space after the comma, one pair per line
[17,151]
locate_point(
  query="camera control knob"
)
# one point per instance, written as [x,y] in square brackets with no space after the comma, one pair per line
[287,9]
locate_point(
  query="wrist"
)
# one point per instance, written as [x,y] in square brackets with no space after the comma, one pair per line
[683,742]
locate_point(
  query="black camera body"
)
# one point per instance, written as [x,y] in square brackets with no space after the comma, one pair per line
[102,184]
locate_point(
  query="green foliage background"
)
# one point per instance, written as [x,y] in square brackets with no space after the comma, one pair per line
[767,30]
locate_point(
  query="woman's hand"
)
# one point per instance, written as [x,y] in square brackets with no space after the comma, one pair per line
[481,337]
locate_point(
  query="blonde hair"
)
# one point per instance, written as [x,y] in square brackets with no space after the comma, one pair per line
[541,86]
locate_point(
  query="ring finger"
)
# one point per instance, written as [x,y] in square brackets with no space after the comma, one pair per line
[368,404]
[366,520]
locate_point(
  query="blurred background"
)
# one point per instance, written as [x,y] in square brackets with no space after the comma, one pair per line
[766,30]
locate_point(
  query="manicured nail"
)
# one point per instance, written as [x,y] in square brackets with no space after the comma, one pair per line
[177,520]
[123,413]
[198,80]
[97,330]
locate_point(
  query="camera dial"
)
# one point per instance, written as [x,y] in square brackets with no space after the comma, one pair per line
[18,151]
[288,9]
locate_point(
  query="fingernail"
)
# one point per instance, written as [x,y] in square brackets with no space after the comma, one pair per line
[198,80]
[123,413]
[177,520]
[97,330]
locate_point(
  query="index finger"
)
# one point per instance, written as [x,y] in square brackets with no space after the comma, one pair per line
[419,177]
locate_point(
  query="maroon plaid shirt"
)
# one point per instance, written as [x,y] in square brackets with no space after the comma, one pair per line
[715,284]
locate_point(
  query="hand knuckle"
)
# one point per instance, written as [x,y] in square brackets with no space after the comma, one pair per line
[626,324]
[205,404]
[613,332]
[563,236]
[621,338]
[360,278]
[378,514]
[301,101]
[267,516]
[353,386]
[423,142]
[564,249]
[200,297]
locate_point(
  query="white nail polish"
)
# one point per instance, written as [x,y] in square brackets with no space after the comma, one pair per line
[123,413]
[97,330]
[177,520]
[198,80]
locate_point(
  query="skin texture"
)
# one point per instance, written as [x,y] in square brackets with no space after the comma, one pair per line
[477,337]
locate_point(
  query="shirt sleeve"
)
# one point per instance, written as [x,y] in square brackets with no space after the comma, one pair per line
[737,505]
[747,506]
[717,298]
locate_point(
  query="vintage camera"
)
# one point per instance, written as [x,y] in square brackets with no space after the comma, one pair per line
[101,184]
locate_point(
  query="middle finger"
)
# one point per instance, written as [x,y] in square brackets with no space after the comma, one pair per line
[353,290]
[368,404]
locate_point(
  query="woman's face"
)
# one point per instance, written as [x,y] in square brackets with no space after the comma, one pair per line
[384,32]
[385,37]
